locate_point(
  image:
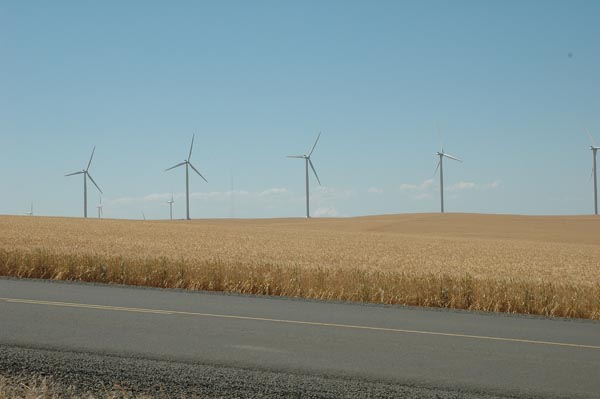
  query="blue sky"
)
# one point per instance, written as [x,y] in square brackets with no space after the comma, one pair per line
[256,81]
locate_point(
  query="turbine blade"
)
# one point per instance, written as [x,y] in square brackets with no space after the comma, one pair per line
[591,139]
[314,171]
[196,170]
[451,157]
[191,146]
[176,166]
[439,133]
[591,175]
[314,145]
[92,156]
[295,156]
[436,168]
[73,174]
[92,179]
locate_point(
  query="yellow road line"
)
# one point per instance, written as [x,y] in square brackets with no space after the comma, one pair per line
[308,323]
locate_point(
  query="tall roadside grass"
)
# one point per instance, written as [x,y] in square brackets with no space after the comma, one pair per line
[513,295]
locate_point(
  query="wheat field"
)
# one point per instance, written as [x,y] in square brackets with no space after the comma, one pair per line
[520,264]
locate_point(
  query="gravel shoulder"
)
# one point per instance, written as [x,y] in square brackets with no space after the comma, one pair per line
[85,374]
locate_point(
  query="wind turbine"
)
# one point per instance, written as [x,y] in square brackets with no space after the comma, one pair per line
[86,174]
[171,202]
[308,162]
[100,206]
[594,149]
[30,213]
[440,166]
[188,164]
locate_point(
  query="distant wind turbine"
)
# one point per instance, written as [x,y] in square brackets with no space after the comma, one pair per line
[143,215]
[100,206]
[440,166]
[30,213]
[188,164]
[307,163]
[86,174]
[594,149]
[171,202]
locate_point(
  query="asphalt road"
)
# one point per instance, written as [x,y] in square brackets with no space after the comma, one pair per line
[457,351]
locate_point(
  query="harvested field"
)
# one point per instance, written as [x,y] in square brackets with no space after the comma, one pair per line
[524,264]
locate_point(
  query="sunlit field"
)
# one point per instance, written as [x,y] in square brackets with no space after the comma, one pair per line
[521,264]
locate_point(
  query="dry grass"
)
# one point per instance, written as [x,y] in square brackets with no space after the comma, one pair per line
[535,265]
[42,387]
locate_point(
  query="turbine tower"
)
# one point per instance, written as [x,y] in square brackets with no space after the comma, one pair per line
[30,213]
[100,206]
[171,202]
[86,174]
[307,163]
[594,149]
[440,166]
[188,164]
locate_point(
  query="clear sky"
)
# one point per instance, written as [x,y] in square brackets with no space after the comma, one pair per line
[512,86]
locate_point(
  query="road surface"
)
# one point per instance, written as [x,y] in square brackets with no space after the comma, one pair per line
[449,350]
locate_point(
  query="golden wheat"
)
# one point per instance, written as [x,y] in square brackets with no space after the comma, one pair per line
[535,265]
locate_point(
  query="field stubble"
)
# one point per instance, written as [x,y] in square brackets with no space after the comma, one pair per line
[533,265]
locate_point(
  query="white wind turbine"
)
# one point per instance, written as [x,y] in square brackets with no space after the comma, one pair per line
[308,162]
[171,202]
[100,210]
[188,164]
[594,149]
[440,166]
[30,213]
[86,174]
